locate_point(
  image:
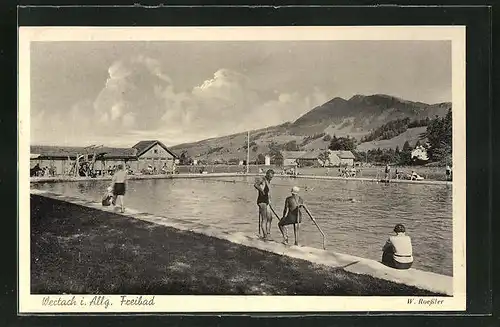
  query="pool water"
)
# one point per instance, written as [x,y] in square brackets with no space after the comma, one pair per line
[358,228]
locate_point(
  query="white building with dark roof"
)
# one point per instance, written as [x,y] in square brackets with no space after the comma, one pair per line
[340,158]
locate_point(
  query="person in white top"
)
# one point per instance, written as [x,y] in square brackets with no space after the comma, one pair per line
[397,251]
[118,183]
[448,173]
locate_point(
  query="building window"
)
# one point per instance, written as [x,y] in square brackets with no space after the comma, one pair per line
[155,151]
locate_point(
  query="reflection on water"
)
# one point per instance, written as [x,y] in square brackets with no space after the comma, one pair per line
[358,228]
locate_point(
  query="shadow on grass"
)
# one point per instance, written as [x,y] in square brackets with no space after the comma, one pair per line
[80,250]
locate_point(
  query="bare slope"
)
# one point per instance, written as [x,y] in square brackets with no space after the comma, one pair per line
[354,117]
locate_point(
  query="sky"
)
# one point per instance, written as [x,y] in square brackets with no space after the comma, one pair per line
[118,93]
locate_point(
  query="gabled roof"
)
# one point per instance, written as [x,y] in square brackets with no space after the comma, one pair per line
[57,151]
[292,154]
[144,146]
[312,154]
[243,156]
[50,151]
[344,154]
[117,153]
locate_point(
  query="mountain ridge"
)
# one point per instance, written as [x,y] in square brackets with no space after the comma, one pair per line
[354,117]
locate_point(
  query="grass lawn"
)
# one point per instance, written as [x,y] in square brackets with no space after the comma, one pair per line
[79,250]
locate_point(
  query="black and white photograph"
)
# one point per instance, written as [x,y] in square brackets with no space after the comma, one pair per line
[242,169]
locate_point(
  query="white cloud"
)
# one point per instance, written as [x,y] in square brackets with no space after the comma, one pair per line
[129,120]
[104,118]
[139,100]
[116,111]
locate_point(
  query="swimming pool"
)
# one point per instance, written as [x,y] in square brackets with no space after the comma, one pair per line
[359,228]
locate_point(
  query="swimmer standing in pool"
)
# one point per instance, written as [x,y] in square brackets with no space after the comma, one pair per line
[118,184]
[263,202]
[292,215]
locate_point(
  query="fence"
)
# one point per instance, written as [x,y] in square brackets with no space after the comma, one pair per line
[431,173]
[198,169]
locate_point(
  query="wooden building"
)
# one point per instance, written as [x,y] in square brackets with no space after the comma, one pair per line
[341,158]
[314,158]
[61,160]
[155,154]
[311,158]
[290,157]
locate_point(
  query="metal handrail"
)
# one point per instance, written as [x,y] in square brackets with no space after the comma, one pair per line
[315,223]
[313,220]
[270,207]
[278,217]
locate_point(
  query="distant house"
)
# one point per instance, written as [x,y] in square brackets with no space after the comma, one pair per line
[311,158]
[155,154]
[340,158]
[267,160]
[290,157]
[419,153]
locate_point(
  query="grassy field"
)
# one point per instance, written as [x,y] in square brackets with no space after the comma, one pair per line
[78,250]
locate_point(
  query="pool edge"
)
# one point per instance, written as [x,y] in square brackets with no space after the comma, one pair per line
[211,175]
[424,280]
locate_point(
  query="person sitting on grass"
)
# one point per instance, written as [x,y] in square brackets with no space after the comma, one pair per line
[415,176]
[397,251]
[291,215]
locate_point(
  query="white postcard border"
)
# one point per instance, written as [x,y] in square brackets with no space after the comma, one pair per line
[29,303]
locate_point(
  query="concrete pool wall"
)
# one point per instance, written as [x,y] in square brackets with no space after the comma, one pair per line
[211,175]
[421,279]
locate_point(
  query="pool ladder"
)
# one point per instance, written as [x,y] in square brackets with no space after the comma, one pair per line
[313,220]
[315,223]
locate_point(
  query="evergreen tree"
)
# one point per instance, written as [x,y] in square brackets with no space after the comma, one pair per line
[397,155]
[439,135]
[185,159]
[291,146]
[324,157]
[405,155]
[342,143]
[406,146]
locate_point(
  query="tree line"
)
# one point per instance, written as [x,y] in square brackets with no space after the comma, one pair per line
[439,145]
[395,156]
[394,128]
[438,136]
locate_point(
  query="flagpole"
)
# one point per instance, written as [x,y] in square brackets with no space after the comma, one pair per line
[248,149]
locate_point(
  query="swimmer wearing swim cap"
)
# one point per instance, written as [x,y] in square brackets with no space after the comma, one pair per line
[291,215]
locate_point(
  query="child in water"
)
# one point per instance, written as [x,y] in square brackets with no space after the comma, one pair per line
[398,252]
[108,198]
